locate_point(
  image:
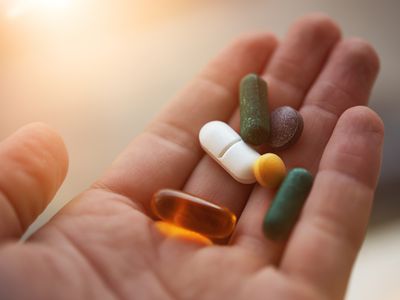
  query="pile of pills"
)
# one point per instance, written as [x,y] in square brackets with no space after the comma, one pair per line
[235,153]
[257,127]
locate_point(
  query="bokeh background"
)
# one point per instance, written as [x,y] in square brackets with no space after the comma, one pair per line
[99,70]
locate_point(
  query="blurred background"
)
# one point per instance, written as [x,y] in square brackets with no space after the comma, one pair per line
[99,70]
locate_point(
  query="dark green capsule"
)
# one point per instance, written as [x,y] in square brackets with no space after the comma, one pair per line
[254,113]
[287,204]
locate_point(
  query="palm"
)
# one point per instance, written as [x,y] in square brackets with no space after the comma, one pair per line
[104,245]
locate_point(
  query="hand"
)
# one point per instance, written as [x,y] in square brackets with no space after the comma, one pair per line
[103,245]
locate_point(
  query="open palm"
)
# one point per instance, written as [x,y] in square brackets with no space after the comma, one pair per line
[103,245]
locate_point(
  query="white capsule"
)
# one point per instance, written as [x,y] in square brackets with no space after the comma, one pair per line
[227,148]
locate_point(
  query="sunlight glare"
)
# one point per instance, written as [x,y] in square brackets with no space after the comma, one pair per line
[24,6]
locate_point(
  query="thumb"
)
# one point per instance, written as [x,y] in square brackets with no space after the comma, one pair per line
[33,164]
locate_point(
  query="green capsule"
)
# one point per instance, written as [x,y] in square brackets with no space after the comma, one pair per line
[254,114]
[287,204]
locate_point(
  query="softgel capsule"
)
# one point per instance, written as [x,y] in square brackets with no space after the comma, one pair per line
[192,213]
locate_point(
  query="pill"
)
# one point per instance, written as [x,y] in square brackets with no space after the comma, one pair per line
[269,170]
[227,148]
[193,213]
[286,127]
[287,204]
[171,230]
[254,113]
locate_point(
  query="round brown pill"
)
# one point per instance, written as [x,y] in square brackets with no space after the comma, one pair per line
[286,127]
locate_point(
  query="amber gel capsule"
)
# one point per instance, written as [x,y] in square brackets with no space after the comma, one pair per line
[173,231]
[193,213]
[254,112]
[287,204]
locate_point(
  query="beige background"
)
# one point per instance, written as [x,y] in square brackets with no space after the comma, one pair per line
[98,71]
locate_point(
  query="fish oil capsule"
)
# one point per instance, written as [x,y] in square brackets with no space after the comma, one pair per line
[174,231]
[254,113]
[269,170]
[287,204]
[193,213]
[228,149]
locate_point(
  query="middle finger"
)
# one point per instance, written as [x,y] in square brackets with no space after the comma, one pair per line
[291,73]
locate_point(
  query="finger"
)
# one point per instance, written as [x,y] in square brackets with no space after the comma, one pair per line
[248,234]
[297,63]
[346,80]
[166,153]
[311,36]
[331,229]
[33,165]
[271,282]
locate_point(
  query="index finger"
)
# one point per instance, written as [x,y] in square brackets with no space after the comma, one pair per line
[165,154]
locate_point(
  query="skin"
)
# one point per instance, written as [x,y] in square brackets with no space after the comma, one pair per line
[103,244]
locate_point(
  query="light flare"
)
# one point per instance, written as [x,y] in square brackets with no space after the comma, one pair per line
[25,6]
[173,231]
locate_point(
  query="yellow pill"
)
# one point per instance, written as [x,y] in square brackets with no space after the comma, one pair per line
[174,231]
[269,170]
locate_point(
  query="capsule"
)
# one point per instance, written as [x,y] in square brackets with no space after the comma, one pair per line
[287,204]
[269,170]
[254,112]
[228,149]
[193,213]
[173,231]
